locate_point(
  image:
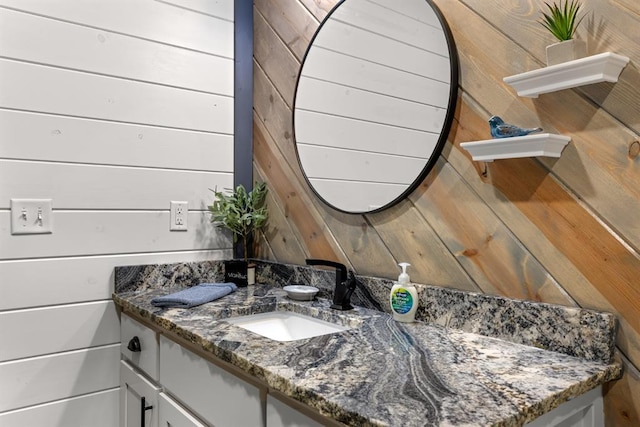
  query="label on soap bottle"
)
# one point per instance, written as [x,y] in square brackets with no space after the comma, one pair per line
[401,301]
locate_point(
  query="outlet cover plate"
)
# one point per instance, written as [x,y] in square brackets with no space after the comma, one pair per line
[178,216]
[31,216]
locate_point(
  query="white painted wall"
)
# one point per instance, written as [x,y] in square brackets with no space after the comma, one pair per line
[112,108]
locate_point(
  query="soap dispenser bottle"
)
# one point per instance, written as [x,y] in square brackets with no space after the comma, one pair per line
[404,297]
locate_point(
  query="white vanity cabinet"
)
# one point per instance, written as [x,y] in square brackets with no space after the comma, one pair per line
[142,400]
[160,379]
[138,375]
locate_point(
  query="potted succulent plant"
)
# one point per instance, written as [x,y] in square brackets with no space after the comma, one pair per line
[562,21]
[242,212]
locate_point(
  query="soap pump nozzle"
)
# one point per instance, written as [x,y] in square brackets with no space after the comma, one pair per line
[404,277]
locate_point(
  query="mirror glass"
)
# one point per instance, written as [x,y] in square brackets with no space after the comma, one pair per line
[374,101]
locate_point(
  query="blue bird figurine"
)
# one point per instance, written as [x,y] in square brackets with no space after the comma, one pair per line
[500,129]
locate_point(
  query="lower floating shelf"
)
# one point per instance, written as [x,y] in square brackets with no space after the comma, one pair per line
[541,144]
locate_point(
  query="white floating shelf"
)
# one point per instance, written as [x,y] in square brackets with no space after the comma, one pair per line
[604,67]
[541,144]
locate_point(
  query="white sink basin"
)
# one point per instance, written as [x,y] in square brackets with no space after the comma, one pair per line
[285,325]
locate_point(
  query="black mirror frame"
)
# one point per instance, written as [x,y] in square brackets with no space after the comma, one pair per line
[446,127]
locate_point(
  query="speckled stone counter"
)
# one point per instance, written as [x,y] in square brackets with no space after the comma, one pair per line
[380,372]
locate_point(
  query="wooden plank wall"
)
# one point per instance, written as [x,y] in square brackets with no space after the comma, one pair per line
[562,230]
[112,109]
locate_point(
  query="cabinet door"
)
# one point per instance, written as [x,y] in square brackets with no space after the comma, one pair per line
[215,395]
[171,414]
[586,410]
[280,414]
[138,399]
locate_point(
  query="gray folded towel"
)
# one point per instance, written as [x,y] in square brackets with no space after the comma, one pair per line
[195,295]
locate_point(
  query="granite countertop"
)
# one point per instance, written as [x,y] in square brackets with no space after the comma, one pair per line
[381,372]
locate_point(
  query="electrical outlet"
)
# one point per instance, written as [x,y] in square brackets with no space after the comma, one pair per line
[178,216]
[31,216]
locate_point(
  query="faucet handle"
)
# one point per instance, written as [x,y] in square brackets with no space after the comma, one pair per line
[351,284]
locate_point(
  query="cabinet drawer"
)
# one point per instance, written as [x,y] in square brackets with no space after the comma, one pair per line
[171,414]
[215,395]
[146,359]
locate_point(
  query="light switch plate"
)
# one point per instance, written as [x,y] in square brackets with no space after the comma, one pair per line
[31,216]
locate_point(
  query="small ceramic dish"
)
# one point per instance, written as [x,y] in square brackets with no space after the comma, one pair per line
[301,292]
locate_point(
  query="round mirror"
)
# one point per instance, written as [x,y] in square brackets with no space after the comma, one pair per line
[374,101]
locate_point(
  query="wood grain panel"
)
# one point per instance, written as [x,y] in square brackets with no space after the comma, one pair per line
[57,329]
[319,8]
[622,398]
[300,210]
[95,410]
[33,136]
[573,280]
[595,165]
[70,280]
[563,230]
[43,379]
[486,249]
[49,90]
[112,54]
[278,239]
[605,261]
[275,59]
[275,115]
[149,20]
[410,239]
[294,25]
[109,232]
[605,28]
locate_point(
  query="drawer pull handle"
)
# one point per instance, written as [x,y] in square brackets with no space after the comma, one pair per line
[143,408]
[134,345]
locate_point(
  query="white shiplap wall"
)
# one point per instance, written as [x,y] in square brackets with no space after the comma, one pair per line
[112,109]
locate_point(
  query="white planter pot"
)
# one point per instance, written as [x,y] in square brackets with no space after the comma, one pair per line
[565,51]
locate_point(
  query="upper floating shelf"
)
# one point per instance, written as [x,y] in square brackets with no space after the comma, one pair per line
[540,144]
[603,67]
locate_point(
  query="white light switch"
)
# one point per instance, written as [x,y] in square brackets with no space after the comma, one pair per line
[31,216]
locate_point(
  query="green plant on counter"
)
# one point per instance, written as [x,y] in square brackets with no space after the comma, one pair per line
[561,19]
[240,211]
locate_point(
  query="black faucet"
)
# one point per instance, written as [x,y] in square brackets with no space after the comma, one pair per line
[345,283]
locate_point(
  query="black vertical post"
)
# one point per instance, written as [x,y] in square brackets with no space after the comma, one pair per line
[243,100]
